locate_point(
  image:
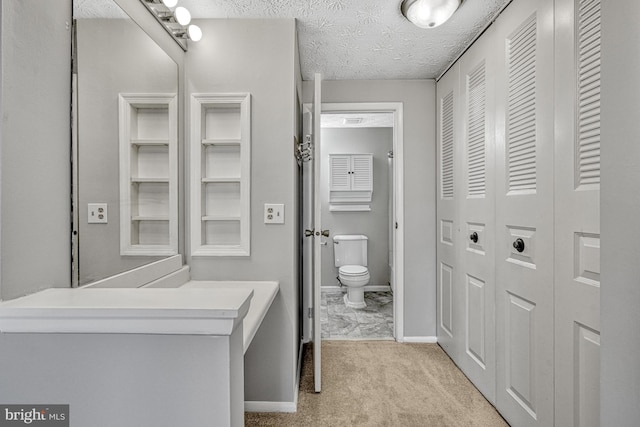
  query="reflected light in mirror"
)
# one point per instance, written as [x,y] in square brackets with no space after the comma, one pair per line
[170,3]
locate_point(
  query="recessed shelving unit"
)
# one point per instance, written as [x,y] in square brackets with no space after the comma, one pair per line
[148,174]
[220,167]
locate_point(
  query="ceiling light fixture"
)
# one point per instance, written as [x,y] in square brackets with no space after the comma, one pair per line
[176,21]
[429,13]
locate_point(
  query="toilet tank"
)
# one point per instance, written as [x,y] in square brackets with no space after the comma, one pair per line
[350,249]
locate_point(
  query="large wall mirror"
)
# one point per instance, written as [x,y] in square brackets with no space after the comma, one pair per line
[125,145]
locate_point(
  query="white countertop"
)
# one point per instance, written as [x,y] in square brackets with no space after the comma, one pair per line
[264,292]
[192,311]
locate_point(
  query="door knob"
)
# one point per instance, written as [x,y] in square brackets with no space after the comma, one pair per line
[308,233]
[474,237]
[519,245]
[325,233]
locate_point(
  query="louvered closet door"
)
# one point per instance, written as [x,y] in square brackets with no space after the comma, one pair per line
[524,213]
[449,332]
[476,254]
[577,219]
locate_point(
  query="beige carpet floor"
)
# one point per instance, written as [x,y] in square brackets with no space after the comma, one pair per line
[384,383]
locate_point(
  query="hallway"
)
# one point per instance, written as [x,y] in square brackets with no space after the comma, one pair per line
[384,383]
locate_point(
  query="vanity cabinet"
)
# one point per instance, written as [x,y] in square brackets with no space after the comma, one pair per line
[220,165]
[148,174]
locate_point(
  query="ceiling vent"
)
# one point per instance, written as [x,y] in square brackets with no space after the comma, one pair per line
[352,121]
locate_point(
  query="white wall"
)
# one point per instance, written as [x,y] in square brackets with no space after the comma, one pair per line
[373,224]
[620,210]
[35,146]
[257,56]
[418,98]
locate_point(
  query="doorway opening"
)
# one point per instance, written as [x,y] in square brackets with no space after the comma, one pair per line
[360,129]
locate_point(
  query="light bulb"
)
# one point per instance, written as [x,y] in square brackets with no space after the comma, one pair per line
[182,15]
[170,3]
[194,32]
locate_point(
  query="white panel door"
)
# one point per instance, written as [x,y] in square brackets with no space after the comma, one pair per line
[524,213]
[577,213]
[476,198]
[448,291]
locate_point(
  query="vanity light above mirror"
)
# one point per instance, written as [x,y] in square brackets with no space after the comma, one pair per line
[176,20]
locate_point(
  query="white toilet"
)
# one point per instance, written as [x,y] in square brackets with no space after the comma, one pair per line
[350,253]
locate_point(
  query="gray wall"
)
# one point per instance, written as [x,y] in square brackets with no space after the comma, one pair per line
[419,166]
[620,210]
[373,224]
[35,146]
[257,56]
[114,56]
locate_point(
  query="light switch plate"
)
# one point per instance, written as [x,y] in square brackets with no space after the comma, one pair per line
[97,213]
[274,213]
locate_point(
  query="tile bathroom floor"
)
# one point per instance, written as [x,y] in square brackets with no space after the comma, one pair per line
[339,322]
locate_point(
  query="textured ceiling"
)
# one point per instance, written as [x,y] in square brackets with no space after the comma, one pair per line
[362,39]
[350,39]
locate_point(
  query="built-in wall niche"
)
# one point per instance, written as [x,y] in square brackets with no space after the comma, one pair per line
[148,174]
[220,170]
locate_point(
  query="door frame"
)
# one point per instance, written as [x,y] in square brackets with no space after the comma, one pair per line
[396,108]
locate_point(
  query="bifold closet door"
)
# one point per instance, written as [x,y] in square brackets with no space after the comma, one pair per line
[449,332]
[577,213]
[524,213]
[475,279]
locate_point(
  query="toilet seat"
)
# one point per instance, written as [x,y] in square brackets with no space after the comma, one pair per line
[353,270]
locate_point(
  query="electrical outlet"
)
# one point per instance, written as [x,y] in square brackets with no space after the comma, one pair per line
[273,213]
[97,213]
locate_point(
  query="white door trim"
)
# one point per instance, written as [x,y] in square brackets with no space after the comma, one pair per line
[398,155]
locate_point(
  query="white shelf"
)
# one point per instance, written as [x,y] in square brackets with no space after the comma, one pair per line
[150,180]
[220,167]
[221,218]
[148,174]
[150,218]
[234,141]
[221,179]
[150,142]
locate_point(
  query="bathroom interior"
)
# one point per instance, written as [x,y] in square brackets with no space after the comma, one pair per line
[362,225]
[185,238]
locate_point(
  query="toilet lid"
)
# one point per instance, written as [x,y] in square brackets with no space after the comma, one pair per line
[353,270]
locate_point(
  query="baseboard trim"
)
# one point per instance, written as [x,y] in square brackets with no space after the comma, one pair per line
[427,340]
[254,406]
